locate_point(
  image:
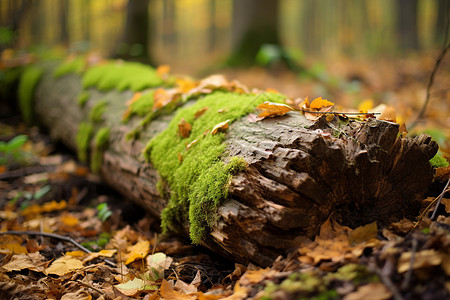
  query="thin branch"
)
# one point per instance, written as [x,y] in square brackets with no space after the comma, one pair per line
[407,281]
[439,200]
[55,236]
[387,282]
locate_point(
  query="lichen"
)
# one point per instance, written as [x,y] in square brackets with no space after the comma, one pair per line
[96,113]
[101,141]
[438,161]
[198,182]
[83,98]
[28,82]
[75,65]
[84,134]
[121,76]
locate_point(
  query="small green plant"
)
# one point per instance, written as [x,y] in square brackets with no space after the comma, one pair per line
[11,152]
[103,212]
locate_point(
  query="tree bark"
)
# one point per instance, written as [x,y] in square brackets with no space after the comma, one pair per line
[299,172]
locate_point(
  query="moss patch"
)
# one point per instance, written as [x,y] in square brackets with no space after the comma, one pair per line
[439,162]
[28,82]
[96,113]
[75,65]
[101,141]
[198,182]
[83,138]
[83,98]
[121,76]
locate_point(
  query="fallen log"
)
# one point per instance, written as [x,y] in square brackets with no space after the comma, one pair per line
[297,172]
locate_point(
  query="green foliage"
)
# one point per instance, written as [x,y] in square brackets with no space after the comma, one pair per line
[83,98]
[28,82]
[98,244]
[198,182]
[6,35]
[96,113]
[75,65]
[100,144]
[142,106]
[438,161]
[103,212]
[10,151]
[84,134]
[121,76]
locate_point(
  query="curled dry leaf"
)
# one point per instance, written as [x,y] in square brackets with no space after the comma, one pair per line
[184,128]
[188,146]
[200,112]
[221,127]
[162,97]
[270,109]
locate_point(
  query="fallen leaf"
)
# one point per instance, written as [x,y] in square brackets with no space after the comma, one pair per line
[64,265]
[162,97]
[135,97]
[101,253]
[168,293]
[69,220]
[365,106]
[239,293]
[184,128]
[137,251]
[132,287]
[157,263]
[78,295]
[422,259]
[363,233]
[163,71]
[270,109]
[318,103]
[185,85]
[200,112]
[221,127]
[254,276]
[19,262]
[371,291]
[191,144]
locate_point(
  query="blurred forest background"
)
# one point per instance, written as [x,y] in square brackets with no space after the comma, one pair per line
[195,34]
[348,50]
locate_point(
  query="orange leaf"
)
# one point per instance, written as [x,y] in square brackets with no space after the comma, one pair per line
[163,71]
[365,106]
[134,98]
[170,294]
[221,127]
[162,97]
[184,128]
[185,85]
[318,103]
[200,112]
[137,251]
[270,109]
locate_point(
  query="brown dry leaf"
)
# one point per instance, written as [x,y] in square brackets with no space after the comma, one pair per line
[22,261]
[64,265]
[209,84]
[184,129]
[135,97]
[81,294]
[101,253]
[422,259]
[387,113]
[13,244]
[446,203]
[69,220]
[221,127]
[162,97]
[237,87]
[200,112]
[443,173]
[239,293]
[185,85]
[137,251]
[168,293]
[191,144]
[254,276]
[371,291]
[185,288]
[270,109]
[363,233]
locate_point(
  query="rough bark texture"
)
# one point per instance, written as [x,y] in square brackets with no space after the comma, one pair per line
[299,172]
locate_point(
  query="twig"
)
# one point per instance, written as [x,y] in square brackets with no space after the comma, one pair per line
[55,236]
[91,287]
[407,281]
[339,112]
[445,47]
[439,200]
[387,282]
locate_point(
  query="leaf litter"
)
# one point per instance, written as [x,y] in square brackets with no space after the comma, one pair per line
[408,259]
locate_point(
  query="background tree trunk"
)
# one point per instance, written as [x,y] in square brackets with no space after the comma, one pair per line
[299,172]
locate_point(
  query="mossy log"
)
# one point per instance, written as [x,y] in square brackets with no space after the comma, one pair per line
[298,173]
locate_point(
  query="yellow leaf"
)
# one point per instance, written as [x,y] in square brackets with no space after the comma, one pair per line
[21,261]
[102,253]
[184,128]
[163,70]
[64,265]
[221,127]
[422,259]
[137,251]
[185,85]
[363,233]
[77,253]
[270,109]
[365,106]
[69,220]
[169,293]
[318,103]
[53,206]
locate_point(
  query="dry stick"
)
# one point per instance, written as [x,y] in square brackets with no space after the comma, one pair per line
[439,200]
[91,287]
[407,281]
[445,47]
[55,236]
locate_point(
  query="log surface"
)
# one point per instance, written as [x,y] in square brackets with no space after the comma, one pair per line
[299,172]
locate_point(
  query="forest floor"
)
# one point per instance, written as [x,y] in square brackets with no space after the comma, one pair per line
[97,245]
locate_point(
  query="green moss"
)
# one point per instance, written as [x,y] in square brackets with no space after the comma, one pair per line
[96,113]
[198,182]
[439,162]
[121,76]
[141,107]
[101,141]
[75,65]
[28,82]
[83,98]
[83,138]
